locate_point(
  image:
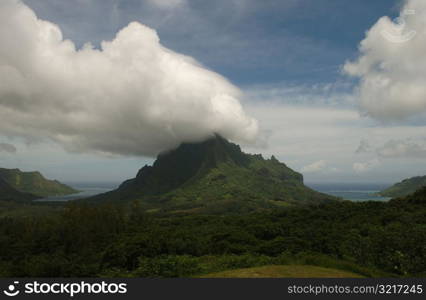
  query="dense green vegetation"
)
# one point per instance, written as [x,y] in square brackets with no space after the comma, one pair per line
[405,187]
[215,176]
[34,183]
[369,238]
[8,193]
[206,208]
[418,197]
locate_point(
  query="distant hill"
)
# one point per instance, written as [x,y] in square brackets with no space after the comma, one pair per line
[418,197]
[7,193]
[405,187]
[215,176]
[34,183]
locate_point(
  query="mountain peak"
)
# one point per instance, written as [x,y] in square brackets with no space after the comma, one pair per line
[213,172]
[175,167]
[211,151]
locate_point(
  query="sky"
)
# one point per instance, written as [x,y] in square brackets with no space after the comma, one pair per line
[332,88]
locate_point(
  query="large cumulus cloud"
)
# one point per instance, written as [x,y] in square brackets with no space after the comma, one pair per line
[131,97]
[392,65]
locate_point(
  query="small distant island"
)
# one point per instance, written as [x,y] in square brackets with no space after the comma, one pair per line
[405,187]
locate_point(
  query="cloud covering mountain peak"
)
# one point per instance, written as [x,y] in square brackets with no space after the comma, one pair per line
[132,96]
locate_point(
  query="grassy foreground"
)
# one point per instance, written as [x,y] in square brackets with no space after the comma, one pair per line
[288,271]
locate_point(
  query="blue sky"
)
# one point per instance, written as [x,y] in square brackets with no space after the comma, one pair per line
[286,56]
[249,42]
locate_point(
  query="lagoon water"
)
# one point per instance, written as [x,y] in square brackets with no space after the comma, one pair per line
[348,191]
[352,191]
[86,190]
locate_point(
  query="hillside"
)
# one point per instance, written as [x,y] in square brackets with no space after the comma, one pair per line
[215,176]
[405,187]
[418,197]
[372,239]
[7,193]
[34,183]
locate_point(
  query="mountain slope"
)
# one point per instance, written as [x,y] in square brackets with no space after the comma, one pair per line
[418,197]
[7,193]
[405,187]
[215,176]
[34,183]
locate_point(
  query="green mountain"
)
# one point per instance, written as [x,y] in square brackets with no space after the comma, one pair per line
[405,187]
[7,193]
[215,176]
[34,183]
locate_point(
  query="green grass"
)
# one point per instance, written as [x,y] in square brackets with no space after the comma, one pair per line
[285,265]
[288,271]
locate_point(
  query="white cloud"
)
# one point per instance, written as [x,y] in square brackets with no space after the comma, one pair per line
[131,97]
[407,148]
[307,131]
[315,167]
[302,127]
[6,147]
[362,167]
[392,66]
